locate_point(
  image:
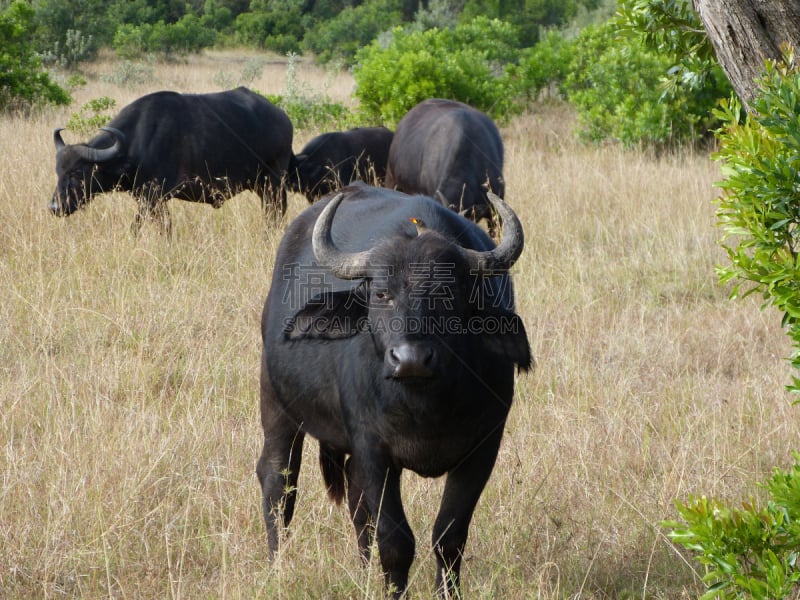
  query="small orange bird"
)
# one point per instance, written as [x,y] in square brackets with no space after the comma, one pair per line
[419,224]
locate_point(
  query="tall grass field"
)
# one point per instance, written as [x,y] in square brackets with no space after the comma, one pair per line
[129,427]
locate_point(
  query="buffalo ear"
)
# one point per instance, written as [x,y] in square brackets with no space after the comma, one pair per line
[504,334]
[330,316]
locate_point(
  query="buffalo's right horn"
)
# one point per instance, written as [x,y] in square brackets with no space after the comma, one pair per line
[342,264]
[59,141]
[103,154]
[501,258]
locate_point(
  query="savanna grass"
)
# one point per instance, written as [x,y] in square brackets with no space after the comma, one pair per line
[129,425]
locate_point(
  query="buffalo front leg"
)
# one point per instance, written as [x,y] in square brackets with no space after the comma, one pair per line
[462,490]
[381,489]
[359,513]
[153,211]
[279,464]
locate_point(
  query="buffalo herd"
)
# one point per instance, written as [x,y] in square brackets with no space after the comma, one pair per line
[389,332]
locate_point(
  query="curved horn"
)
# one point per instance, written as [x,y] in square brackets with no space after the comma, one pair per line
[103,154]
[502,257]
[118,135]
[343,265]
[59,141]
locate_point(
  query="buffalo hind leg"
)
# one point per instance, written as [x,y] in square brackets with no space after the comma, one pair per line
[273,199]
[277,469]
[279,464]
[462,490]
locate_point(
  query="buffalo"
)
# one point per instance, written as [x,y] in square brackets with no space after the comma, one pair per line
[450,151]
[197,147]
[334,159]
[389,335]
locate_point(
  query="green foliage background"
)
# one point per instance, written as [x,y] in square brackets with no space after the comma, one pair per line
[22,79]
[642,77]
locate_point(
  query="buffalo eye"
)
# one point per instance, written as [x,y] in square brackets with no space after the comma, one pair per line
[383,297]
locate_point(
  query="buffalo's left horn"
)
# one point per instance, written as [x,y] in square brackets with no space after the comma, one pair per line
[502,257]
[59,141]
[104,154]
[342,264]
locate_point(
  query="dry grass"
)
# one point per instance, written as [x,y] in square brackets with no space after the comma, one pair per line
[128,384]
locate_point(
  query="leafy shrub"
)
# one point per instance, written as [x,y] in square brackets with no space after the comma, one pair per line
[753,552]
[309,109]
[759,210]
[183,37]
[252,70]
[544,66]
[278,27]
[218,18]
[314,112]
[59,20]
[616,84]
[437,13]
[76,48]
[748,552]
[528,16]
[130,74]
[342,36]
[672,29]
[23,82]
[93,114]
[465,63]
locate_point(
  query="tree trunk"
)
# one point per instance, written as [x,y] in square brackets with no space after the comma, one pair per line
[745,33]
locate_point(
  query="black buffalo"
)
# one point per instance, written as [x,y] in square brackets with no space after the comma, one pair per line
[450,151]
[334,159]
[389,335]
[196,147]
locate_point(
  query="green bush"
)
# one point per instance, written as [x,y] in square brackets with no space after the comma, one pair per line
[183,37]
[544,66]
[23,82]
[617,85]
[528,16]
[76,48]
[759,210]
[315,112]
[466,63]
[93,114]
[273,26]
[752,552]
[130,74]
[748,552]
[58,22]
[672,29]
[353,28]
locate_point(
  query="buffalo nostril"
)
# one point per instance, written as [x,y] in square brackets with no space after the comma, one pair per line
[394,359]
[428,357]
[410,360]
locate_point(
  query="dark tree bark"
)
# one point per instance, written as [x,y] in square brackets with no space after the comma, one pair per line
[745,33]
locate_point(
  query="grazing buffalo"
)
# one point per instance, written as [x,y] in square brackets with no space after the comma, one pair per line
[389,335]
[450,151]
[197,147]
[333,160]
